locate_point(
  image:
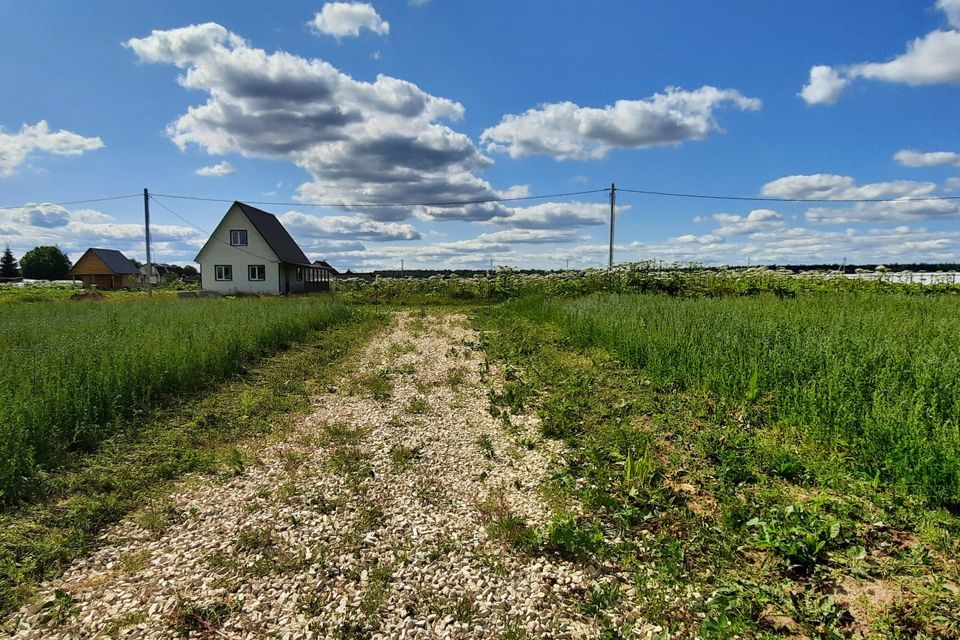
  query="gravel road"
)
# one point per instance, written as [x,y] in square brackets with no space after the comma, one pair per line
[368,521]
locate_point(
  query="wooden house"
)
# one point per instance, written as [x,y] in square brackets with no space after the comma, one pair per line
[105,269]
[251,252]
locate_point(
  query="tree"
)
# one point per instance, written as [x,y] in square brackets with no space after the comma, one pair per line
[8,265]
[45,263]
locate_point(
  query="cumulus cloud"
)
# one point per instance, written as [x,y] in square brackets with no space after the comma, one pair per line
[532,236]
[898,210]
[829,186]
[756,220]
[76,230]
[15,148]
[910,158]
[343,19]
[217,170]
[568,131]
[353,227]
[930,59]
[558,215]
[952,184]
[695,239]
[374,142]
[825,85]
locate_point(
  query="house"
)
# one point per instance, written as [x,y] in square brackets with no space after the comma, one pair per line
[105,269]
[326,266]
[156,271]
[251,252]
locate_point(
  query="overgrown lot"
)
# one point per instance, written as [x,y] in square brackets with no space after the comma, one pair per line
[201,430]
[760,467]
[73,372]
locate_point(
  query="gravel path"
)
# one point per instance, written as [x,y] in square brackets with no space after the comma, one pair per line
[367,522]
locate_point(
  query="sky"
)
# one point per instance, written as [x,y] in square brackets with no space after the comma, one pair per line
[402,104]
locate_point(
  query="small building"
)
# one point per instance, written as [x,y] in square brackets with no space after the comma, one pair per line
[251,252]
[327,267]
[156,272]
[105,269]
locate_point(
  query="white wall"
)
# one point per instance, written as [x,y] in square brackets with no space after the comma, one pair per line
[216,252]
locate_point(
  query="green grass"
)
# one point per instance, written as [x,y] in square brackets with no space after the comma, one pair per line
[872,378]
[690,486]
[73,373]
[137,465]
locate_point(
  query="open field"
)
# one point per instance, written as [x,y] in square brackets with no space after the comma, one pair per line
[872,378]
[641,454]
[71,372]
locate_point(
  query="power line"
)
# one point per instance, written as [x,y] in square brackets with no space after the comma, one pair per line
[360,205]
[772,199]
[63,204]
[209,233]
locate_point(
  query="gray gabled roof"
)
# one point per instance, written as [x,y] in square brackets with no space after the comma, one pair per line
[326,265]
[115,261]
[274,234]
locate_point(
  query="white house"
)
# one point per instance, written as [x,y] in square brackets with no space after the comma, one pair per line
[251,252]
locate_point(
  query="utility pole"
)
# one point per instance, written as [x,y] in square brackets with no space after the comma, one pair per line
[568,264]
[146,226]
[401,267]
[613,215]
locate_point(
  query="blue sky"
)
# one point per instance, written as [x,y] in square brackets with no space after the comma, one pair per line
[437,100]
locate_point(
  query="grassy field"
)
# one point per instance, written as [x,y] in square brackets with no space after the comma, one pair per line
[198,431]
[73,372]
[872,378]
[792,463]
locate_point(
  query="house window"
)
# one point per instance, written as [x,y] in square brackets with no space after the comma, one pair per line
[256,272]
[238,237]
[299,274]
[223,272]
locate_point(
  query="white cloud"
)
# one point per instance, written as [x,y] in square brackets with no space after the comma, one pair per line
[216,170]
[829,186]
[75,231]
[353,227]
[568,131]
[930,59]
[15,148]
[376,142]
[825,85]
[910,158]
[756,220]
[898,210]
[952,9]
[342,19]
[695,239]
[532,236]
[553,215]
[952,184]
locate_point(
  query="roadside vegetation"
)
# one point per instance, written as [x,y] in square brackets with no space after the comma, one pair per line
[73,373]
[760,466]
[199,430]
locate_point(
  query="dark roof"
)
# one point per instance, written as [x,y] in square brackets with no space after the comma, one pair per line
[274,234]
[115,261]
[326,265]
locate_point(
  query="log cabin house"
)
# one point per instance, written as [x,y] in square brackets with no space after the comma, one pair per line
[105,269]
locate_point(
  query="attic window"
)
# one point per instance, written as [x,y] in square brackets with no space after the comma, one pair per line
[238,237]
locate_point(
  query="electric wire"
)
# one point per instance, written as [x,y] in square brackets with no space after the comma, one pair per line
[232,246]
[87,201]
[703,196]
[364,205]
